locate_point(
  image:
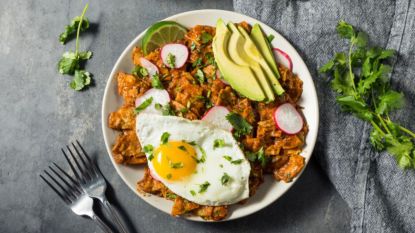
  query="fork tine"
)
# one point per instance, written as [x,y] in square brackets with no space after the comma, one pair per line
[69,195]
[92,164]
[84,175]
[73,184]
[71,165]
[88,167]
[65,199]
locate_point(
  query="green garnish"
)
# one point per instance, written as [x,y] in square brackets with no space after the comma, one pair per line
[198,62]
[80,80]
[210,59]
[171,196]
[360,77]
[200,76]
[164,137]
[148,149]
[229,158]
[171,60]
[204,187]
[139,71]
[165,110]
[206,37]
[270,38]
[183,148]
[176,165]
[71,29]
[72,62]
[221,165]
[225,179]
[258,156]
[240,125]
[169,176]
[192,192]
[156,83]
[193,46]
[238,161]
[218,143]
[143,105]
[193,143]
[203,158]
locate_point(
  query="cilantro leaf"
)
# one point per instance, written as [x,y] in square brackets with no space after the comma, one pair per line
[218,143]
[203,187]
[205,37]
[139,71]
[200,76]
[240,125]
[156,83]
[225,179]
[176,165]
[389,101]
[358,108]
[164,137]
[70,29]
[81,79]
[345,30]
[171,60]
[143,105]
[270,38]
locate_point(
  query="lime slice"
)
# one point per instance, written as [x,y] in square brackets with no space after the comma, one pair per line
[160,34]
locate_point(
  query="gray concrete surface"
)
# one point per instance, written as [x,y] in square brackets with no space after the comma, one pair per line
[39,114]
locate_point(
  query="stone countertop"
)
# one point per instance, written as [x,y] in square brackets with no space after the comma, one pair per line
[40,114]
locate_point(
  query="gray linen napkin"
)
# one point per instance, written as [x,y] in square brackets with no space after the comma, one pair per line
[381,195]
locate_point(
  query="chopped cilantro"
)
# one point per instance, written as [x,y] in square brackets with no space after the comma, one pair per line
[200,76]
[139,71]
[143,105]
[225,179]
[203,158]
[171,196]
[192,192]
[169,176]
[197,63]
[206,37]
[210,58]
[227,157]
[270,38]
[156,83]
[203,187]
[240,125]
[193,46]
[176,165]
[218,143]
[70,30]
[171,60]
[238,161]
[183,148]
[164,138]
[148,149]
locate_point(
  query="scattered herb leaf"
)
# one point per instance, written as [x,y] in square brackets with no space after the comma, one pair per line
[203,187]
[143,105]
[240,125]
[225,179]
[164,137]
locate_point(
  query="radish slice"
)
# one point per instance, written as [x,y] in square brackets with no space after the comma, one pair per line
[179,51]
[217,117]
[151,68]
[220,77]
[159,97]
[288,119]
[283,58]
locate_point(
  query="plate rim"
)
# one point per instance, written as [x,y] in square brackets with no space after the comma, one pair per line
[128,49]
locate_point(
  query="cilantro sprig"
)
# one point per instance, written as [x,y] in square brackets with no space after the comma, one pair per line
[361,79]
[72,63]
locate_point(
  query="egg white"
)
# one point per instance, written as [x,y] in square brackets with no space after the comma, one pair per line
[150,127]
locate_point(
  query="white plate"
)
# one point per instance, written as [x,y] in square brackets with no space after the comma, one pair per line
[270,190]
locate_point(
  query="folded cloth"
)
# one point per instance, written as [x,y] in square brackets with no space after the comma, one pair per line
[379,193]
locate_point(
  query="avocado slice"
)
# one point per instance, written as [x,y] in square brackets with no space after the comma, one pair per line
[238,54]
[264,46]
[254,52]
[241,78]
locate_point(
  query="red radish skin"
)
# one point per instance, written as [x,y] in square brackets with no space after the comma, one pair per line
[179,51]
[288,119]
[283,58]
[151,68]
[159,96]
[217,117]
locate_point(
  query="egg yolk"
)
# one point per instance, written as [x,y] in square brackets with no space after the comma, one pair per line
[174,160]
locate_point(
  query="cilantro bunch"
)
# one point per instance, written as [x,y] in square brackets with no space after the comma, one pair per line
[72,63]
[361,78]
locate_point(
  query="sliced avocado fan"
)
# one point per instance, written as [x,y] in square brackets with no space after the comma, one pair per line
[241,78]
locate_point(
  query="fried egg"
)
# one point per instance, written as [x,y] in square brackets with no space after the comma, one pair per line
[195,160]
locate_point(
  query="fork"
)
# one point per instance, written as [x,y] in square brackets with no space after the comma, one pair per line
[73,195]
[91,179]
